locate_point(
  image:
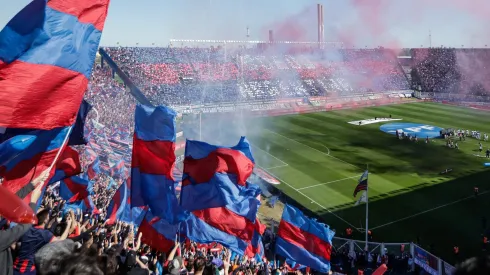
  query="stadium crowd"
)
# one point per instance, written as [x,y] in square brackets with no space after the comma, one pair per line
[75,242]
[178,76]
[82,242]
[453,74]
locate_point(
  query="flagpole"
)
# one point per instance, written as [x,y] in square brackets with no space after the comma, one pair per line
[367,209]
[65,141]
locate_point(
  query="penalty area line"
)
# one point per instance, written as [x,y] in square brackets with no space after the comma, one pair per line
[284,163]
[325,183]
[303,194]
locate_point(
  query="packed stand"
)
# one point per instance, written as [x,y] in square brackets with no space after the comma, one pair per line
[453,74]
[182,76]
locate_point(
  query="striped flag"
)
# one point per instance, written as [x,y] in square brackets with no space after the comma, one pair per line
[363,183]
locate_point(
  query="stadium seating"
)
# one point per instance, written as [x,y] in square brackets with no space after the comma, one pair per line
[186,75]
[453,74]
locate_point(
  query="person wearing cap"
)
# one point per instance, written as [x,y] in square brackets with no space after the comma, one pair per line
[175,265]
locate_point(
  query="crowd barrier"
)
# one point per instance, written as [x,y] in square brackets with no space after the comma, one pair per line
[421,257]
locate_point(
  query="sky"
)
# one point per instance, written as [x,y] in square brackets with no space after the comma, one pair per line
[356,23]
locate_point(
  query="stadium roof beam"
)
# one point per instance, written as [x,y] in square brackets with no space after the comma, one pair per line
[254,42]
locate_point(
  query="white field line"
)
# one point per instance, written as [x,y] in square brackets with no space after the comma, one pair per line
[325,183]
[427,211]
[325,148]
[351,225]
[314,149]
[284,164]
[279,166]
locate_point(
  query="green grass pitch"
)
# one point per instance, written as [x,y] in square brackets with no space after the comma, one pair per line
[319,158]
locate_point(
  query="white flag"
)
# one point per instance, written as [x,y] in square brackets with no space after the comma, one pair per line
[363,198]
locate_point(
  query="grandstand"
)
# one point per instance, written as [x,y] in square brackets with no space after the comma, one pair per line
[356,160]
[256,83]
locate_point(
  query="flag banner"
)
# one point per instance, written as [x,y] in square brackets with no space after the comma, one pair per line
[117,207]
[47,52]
[77,136]
[363,183]
[304,240]
[217,176]
[215,189]
[75,189]
[199,231]
[255,247]
[153,162]
[68,165]
[157,233]
[25,157]
[93,169]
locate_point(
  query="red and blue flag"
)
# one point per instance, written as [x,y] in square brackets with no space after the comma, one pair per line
[77,135]
[158,233]
[255,247]
[75,188]
[153,161]
[47,52]
[215,189]
[117,206]
[304,240]
[24,157]
[93,169]
[217,176]
[67,165]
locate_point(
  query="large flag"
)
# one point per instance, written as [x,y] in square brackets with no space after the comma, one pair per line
[304,240]
[157,233]
[217,176]
[77,136]
[75,189]
[47,52]
[215,189]
[363,183]
[24,157]
[255,247]
[153,162]
[117,206]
